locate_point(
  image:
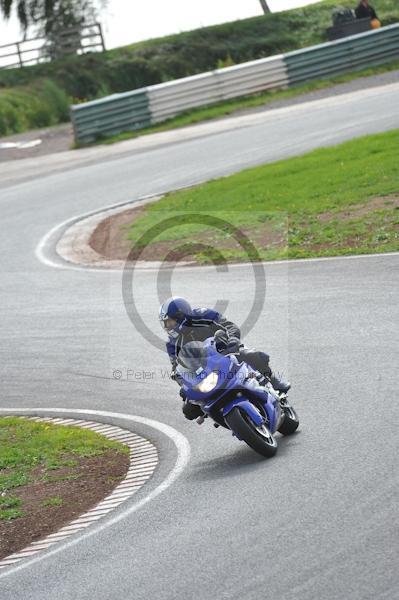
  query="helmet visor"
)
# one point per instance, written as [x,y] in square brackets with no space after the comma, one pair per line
[168,324]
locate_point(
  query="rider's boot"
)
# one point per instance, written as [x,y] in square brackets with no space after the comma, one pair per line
[278,384]
[192,411]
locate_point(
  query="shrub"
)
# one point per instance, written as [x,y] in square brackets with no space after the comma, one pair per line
[39,105]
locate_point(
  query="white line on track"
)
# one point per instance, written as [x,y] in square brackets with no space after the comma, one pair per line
[50,238]
[183,456]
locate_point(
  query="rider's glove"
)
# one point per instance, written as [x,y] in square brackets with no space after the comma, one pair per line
[221,340]
[233,345]
[226,344]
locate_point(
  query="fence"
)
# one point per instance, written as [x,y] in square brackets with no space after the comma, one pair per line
[156,103]
[37,50]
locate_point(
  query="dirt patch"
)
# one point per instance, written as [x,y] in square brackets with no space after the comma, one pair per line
[80,487]
[109,241]
[360,210]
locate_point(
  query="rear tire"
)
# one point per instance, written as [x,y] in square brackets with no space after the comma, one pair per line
[264,443]
[291,421]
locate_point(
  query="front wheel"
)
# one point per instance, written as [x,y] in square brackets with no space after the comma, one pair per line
[291,421]
[258,437]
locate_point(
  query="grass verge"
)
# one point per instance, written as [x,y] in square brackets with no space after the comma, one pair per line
[31,452]
[38,105]
[332,201]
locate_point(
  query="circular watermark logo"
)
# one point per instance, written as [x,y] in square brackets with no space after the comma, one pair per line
[178,254]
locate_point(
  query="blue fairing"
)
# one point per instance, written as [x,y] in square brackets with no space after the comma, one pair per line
[234,380]
[268,402]
[247,406]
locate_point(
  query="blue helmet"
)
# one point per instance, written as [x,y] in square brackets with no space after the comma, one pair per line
[176,309]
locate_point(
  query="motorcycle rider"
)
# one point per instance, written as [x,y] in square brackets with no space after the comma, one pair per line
[184,324]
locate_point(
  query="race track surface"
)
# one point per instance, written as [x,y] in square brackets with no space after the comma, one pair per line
[317,522]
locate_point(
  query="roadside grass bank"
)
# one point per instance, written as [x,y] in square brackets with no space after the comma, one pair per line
[38,105]
[224,109]
[332,201]
[49,474]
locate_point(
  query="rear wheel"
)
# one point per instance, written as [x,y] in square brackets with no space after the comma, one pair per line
[258,437]
[291,421]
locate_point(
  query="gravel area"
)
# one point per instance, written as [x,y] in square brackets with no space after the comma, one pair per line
[52,140]
[60,138]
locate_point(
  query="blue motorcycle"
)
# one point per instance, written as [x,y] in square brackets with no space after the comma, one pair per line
[229,392]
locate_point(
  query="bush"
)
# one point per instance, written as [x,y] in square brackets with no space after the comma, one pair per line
[57,99]
[41,105]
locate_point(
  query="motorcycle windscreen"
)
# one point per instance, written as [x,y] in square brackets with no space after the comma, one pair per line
[192,359]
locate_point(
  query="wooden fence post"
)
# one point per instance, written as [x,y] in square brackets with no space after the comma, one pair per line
[100,30]
[21,62]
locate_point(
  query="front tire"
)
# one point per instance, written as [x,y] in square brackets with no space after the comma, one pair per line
[258,438]
[291,421]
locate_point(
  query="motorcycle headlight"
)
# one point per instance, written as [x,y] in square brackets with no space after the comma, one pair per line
[208,384]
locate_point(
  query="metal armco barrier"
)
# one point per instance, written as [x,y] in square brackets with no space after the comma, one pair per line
[109,116]
[146,106]
[348,54]
[251,77]
[170,99]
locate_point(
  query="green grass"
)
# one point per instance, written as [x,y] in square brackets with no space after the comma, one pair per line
[30,451]
[52,502]
[9,508]
[31,107]
[322,203]
[10,514]
[9,502]
[222,109]
[54,478]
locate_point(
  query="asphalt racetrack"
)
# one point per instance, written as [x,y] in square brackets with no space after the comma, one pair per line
[317,522]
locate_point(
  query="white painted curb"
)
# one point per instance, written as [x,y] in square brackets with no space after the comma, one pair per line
[74,246]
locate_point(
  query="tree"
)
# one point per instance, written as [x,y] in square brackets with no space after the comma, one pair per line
[44,14]
[64,29]
[61,22]
[265,7]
